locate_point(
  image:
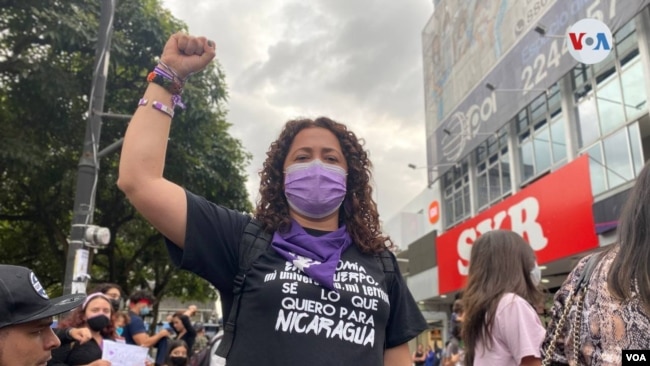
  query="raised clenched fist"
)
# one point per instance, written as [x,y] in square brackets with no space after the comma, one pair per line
[186,54]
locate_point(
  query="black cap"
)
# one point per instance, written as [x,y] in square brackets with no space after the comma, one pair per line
[23,299]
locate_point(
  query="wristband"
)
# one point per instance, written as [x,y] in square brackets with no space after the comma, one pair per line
[163,108]
[158,106]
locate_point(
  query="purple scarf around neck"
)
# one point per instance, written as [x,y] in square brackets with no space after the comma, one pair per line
[316,256]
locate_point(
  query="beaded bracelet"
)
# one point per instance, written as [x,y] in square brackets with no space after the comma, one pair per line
[166,77]
[173,85]
[158,106]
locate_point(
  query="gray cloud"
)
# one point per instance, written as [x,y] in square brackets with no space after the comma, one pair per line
[359,62]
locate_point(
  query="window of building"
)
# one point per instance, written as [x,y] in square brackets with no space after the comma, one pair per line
[456,193]
[541,137]
[610,93]
[609,97]
[616,159]
[492,169]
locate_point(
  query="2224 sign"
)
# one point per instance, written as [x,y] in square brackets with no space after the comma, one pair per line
[533,75]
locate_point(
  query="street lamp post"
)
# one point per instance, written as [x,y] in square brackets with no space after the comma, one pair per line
[82,232]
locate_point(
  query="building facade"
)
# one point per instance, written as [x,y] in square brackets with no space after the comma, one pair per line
[413,230]
[522,136]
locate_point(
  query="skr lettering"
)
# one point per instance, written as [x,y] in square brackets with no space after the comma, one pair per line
[523,220]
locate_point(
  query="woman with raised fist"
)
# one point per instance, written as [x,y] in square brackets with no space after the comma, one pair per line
[309,278]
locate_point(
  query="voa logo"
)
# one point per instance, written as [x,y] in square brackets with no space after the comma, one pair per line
[589,41]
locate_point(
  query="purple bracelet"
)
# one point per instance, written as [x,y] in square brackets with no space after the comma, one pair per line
[163,108]
[176,98]
[158,106]
[163,73]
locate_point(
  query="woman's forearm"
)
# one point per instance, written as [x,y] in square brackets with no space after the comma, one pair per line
[145,142]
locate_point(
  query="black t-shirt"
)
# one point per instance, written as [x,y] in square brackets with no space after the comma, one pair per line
[285,318]
[73,354]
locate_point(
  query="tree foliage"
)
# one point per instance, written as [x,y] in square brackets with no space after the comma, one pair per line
[47,53]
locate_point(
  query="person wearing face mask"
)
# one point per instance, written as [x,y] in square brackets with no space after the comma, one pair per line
[121,320]
[95,314]
[135,332]
[112,291]
[82,335]
[500,325]
[319,288]
[178,354]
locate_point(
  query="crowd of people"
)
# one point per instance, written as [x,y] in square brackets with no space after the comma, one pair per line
[339,297]
[101,317]
[29,337]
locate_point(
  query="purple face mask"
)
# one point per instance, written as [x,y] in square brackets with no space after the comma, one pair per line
[315,189]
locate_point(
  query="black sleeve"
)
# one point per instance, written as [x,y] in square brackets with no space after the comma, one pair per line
[188,325]
[405,321]
[212,236]
[63,335]
[60,355]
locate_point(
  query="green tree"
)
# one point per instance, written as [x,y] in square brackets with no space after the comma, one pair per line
[46,66]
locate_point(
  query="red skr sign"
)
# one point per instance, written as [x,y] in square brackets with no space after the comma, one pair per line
[553,214]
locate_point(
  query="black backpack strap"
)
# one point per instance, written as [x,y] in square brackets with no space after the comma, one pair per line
[253,244]
[387,262]
[388,265]
[386,259]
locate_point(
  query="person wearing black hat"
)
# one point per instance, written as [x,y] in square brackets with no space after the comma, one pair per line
[26,336]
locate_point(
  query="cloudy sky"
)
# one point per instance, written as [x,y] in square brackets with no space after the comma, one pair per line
[356,61]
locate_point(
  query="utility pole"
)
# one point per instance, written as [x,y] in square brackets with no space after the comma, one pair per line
[83,233]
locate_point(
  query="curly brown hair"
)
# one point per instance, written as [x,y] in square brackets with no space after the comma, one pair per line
[76,319]
[358,211]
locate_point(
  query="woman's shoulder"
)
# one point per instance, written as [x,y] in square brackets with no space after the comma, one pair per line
[510,301]
[600,267]
[515,312]
[511,298]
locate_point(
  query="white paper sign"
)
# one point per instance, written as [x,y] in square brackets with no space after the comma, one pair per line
[80,269]
[78,287]
[122,354]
